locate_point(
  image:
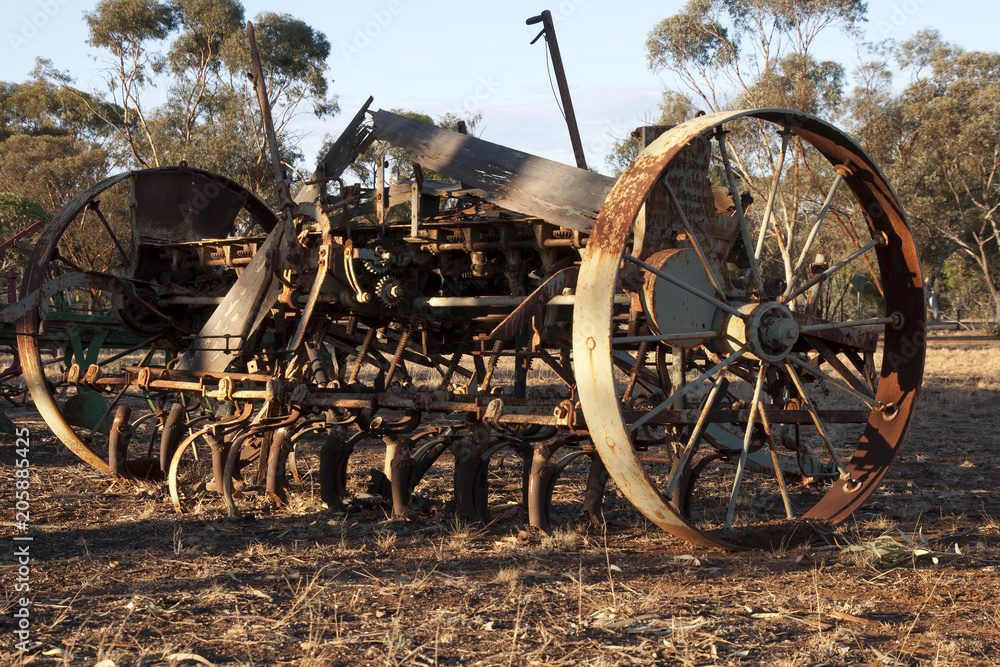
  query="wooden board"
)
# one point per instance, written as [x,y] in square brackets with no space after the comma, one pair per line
[563,195]
[212,350]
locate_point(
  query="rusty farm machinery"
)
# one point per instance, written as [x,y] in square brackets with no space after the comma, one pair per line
[500,300]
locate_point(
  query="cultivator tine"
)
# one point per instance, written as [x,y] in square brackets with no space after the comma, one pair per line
[118,442]
[173,431]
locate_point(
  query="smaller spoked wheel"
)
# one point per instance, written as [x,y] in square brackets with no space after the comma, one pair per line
[98,282]
[744,388]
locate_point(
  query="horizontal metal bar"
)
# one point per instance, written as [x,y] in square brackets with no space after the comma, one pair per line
[497,301]
[725,307]
[847,325]
[740,417]
[665,338]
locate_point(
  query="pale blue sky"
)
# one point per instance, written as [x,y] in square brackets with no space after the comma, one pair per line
[445,56]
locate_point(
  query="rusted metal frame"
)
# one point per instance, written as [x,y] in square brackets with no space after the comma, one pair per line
[665,338]
[830,357]
[841,170]
[875,321]
[725,307]
[790,296]
[95,207]
[695,243]
[534,305]
[850,338]
[813,370]
[696,432]
[747,438]
[817,422]
[165,373]
[563,371]
[680,393]
[720,137]
[785,134]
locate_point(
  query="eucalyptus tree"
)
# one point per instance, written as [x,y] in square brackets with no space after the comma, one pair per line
[729,54]
[197,50]
[949,165]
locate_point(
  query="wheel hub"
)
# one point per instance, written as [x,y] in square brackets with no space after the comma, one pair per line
[770,330]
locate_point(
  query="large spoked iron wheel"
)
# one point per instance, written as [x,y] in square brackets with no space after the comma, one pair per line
[764,255]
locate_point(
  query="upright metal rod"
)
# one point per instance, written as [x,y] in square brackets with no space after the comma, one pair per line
[550,39]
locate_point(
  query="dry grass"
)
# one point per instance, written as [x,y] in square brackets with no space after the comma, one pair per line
[119,578]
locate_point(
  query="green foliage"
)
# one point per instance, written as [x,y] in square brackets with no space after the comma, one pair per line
[16,213]
[675,108]
[38,107]
[205,26]
[797,81]
[199,49]
[759,48]
[948,153]
[49,169]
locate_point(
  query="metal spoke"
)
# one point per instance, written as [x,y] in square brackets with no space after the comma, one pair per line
[694,240]
[789,514]
[785,136]
[684,286]
[720,137]
[826,326]
[836,383]
[747,437]
[665,338]
[816,421]
[699,427]
[791,296]
[688,387]
[842,170]
[107,226]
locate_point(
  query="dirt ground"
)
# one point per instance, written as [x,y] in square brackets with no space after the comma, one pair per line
[117,578]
